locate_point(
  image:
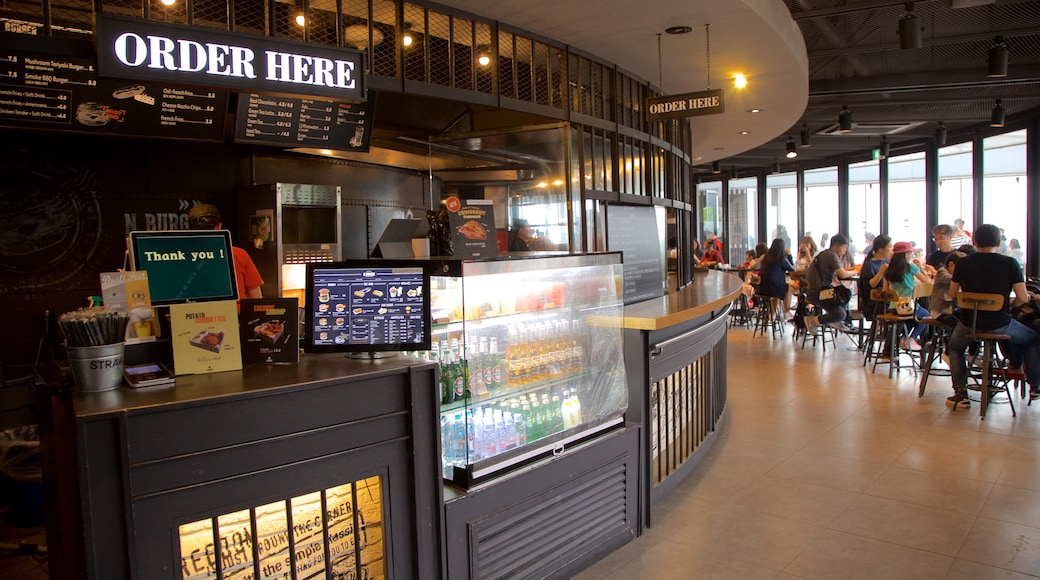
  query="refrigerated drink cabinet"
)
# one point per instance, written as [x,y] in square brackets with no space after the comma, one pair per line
[531,358]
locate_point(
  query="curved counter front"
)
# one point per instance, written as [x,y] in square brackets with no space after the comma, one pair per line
[675,357]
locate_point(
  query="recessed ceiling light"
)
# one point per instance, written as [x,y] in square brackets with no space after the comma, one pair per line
[678,30]
[745,132]
[754,110]
[739,80]
[718,148]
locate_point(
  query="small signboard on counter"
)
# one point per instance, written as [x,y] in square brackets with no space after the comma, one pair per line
[472,228]
[295,122]
[127,292]
[634,231]
[42,91]
[270,330]
[205,337]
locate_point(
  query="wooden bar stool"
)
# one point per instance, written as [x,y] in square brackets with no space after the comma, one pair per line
[769,315]
[936,346]
[976,302]
[891,322]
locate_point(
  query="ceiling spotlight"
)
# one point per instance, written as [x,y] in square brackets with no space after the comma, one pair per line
[716,167]
[996,119]
[739,81]
[407,39]
[792,150]
[300,18]
[940,135]
[678,30]
[776,167]
[845,119]
[909,29]
[998,58]
[884,147]
[168,2]
[754,110]
[805,137]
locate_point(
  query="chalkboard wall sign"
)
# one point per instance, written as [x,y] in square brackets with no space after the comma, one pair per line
[635,232]
[41,91]
[287,121]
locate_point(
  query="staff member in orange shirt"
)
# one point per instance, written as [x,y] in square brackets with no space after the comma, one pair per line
[205,216]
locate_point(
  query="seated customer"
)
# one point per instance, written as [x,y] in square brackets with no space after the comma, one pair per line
[941,305]
[825,268]
[990,272]
[712,256]
[772,271]
[870,274]
[901,276]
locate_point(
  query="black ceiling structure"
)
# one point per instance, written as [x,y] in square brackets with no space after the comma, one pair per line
[856,61]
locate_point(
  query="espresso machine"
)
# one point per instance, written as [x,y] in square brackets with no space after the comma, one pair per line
[284,226]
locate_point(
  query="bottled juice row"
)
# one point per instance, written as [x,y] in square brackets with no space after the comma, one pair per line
[482,368]
[485,431]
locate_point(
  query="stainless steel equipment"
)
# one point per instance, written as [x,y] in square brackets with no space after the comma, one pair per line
[284,226]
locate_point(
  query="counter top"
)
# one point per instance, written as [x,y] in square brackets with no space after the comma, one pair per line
[313,370]
[710,291]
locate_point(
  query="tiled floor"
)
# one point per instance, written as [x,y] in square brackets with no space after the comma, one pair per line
[823,470]
[15,566]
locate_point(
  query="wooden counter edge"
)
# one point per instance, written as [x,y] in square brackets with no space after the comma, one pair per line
[709,292]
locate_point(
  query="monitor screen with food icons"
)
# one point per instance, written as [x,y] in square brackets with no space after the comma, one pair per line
[368,306]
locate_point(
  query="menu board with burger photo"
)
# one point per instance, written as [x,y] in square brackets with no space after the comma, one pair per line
[270,330]
[472,228]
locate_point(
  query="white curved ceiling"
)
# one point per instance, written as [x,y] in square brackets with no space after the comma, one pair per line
[755,37]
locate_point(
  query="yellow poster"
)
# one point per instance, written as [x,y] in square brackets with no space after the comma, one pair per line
[205,337]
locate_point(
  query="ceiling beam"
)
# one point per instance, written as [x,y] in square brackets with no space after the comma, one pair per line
[959,39]
[956,79]
[850,8]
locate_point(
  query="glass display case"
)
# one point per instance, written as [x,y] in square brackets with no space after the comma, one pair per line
[530,352]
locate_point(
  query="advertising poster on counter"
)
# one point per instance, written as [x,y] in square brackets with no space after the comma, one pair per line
[270,330]
[472,228]
[205,337]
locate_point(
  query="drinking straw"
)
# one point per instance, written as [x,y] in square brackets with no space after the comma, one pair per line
[93,326]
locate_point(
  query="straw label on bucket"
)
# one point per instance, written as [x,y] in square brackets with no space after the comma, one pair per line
[205,337]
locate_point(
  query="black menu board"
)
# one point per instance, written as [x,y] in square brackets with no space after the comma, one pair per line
[373,306]
[61,92]
[634,231]
[296,122]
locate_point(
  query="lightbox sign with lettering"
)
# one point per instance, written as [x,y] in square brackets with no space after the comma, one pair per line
[130,48]
[710,102]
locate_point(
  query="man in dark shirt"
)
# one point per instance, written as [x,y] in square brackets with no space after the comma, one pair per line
[820,274]
[943,236]
[990,272]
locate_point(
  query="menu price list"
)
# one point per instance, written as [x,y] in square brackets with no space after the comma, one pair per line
[282,121]
[355,310]
[46,91]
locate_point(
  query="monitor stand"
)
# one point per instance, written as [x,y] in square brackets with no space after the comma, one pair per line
[370,355]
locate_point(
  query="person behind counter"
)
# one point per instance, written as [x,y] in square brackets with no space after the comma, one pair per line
[519,236]
[205,216]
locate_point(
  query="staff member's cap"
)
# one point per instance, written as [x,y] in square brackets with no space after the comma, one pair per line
[204,215]
[901,247]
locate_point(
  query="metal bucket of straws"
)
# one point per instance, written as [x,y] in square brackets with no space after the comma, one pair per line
[94,341]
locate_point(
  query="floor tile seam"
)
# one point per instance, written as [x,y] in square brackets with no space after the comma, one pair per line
[821,484]
[994,566]
[945,474]
[707,548]
[894,543]
[962,449]
[993,519]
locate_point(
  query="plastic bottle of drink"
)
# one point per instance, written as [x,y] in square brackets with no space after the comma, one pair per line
[512,359]
[557,413]
[577,346]
[508,431]
[447,459]
[490,438]
[521,429]
[475,363]
[446,381]
[459,440]
[501,438]
[535,426]
[474,432]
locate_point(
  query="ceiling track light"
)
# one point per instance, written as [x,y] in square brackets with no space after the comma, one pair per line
[909,29]
[792,150]
[805,137]
[845,119]
[940,135]
[996,118]
[884,147]
[998,59]
[776,167]
[716,167]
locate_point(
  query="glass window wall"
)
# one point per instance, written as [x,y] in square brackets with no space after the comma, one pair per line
[743,218]
[864,205]
[1004,190]
[956,197]
[782,208]
[821,205]
[906,206]
[709,200]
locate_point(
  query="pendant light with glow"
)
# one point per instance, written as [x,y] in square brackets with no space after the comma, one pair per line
[792,150]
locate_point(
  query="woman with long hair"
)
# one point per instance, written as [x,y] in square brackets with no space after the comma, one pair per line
[772,271]
[901,276]
[874,265]
[806,252]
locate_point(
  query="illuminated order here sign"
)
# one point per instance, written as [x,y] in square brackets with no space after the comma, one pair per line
[130,48]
